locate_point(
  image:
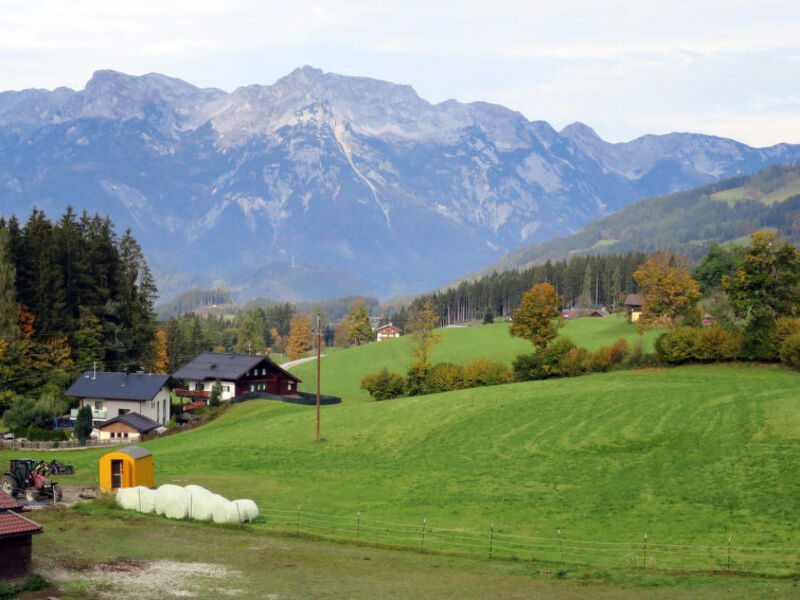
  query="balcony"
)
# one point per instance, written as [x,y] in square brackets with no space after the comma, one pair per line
[193,394]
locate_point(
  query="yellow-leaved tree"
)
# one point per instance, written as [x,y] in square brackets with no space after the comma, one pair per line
[538,317]
[668,291]
[300,338]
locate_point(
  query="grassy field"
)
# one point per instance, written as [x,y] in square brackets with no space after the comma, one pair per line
[342,371]
[690,455]
[136,556]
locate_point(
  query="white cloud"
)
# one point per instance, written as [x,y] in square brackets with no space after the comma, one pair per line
[619,65]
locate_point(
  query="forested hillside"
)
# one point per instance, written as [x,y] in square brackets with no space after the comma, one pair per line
[686,222]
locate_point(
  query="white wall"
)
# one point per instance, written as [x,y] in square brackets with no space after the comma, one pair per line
[205,386]
[157,409]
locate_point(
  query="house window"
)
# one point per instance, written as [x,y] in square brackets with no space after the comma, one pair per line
[112,435]
[252,388]
[263,371]
[227,389]
[98,405]
[126,435]
[123,411]
[289,387]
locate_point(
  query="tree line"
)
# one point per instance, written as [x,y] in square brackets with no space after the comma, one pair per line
[581,281]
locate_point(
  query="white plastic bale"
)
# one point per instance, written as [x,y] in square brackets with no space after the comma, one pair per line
[198,490]
[247,508]
[169,493]
[128,498]
[203,505]
[148,500]
[227,513]
[176,509]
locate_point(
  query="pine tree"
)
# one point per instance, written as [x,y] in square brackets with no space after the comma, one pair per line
[8,294]
[83,424]
[177,347]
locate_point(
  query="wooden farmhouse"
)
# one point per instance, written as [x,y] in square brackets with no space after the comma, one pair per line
[387,332]
[113,394]
[634,305]
[238,374]
[16,532]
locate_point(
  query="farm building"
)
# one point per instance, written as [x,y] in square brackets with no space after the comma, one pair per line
[113,394]
[15,538]
[237,373]
[634,304]
[130,426]
[126,467]
[387,332]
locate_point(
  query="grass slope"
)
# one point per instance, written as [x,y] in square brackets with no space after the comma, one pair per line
[342,371]
[687,455]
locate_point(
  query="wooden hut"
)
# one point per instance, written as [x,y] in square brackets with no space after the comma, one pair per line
[126,467]
[15,539]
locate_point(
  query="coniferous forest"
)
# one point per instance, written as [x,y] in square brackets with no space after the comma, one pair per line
[74,294]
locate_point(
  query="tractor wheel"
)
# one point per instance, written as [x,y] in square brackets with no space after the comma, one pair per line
[31,495]
[57,495]
[9,486]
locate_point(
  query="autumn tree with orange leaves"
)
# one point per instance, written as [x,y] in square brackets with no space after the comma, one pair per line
[668,291]
[538,317]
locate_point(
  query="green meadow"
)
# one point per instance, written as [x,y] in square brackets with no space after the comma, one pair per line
[342,371]
[690,455]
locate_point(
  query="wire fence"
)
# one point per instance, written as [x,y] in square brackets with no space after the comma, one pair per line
[559,549]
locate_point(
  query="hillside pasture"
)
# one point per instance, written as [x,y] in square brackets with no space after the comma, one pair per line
[341,372]
[690,455]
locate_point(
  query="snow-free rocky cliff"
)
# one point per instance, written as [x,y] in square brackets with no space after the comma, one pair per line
[365,185]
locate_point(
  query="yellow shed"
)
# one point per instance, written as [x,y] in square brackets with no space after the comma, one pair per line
[127,467]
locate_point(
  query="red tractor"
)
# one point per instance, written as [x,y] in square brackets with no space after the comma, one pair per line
[31,477]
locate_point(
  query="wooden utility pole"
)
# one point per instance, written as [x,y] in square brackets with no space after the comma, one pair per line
[319,353]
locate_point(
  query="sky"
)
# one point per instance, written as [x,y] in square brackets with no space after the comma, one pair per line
[626,68]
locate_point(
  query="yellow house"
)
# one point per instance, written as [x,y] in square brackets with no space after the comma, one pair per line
[127,467]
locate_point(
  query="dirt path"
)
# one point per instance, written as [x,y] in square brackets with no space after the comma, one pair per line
[299,361]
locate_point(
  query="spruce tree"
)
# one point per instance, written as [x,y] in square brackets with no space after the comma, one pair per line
[8,294]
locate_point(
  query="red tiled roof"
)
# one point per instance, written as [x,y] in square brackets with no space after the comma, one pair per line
[12,524]
[8,502]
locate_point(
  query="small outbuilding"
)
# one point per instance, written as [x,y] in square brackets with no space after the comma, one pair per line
[387,332]
[130,427]
[633,302]
[126,467]
[15,539]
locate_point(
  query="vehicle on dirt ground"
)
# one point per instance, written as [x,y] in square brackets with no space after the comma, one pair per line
[30,477]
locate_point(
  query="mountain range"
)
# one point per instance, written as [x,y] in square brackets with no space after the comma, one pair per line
[323,185]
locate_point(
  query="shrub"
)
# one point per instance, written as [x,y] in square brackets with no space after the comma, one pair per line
[416,379]
[83,424]
[790,351]
[574,363]
[7,591]
[599,361]
[485,372]
[383,385]
[27,412]
[715,344]
[445,377]
[36,434]
[544,363]
[620,350]
[677,346]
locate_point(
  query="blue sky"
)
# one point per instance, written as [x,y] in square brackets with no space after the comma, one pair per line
[729,68]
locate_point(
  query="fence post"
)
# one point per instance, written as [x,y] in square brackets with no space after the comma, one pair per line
[491,541]
[358,529]
[644,554]
[298,520]
[729,553]
[561,547]
[422,539]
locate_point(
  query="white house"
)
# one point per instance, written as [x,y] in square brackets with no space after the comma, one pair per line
[110,395]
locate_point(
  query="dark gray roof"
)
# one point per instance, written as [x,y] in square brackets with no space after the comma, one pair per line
[118,386]
[224,365]
[135,451]
[139,422]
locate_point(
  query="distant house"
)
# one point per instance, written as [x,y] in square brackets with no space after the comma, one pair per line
[576,313]
[15,538]
[634,305]
[128,427]
[387,332]
[110,395]
[237,373]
